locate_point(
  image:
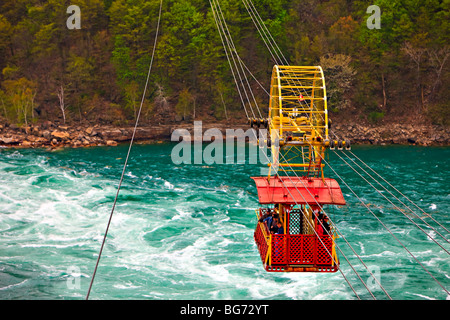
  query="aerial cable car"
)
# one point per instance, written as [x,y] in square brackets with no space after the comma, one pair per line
[295,189]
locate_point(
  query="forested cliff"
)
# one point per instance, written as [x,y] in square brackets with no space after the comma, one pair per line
[96,74]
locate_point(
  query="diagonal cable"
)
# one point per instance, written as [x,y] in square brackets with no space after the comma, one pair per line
[128,154]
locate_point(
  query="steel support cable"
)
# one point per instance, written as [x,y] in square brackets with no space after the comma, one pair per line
[128,153]
[330,166]
[228,58]
[322,241]
[426,214]
[260,33]
[221,28]
[404,247]
[251,74]
[265,34]
[406,206]
[401,203]
[340,233]
[275,59]
[263,31]
[233,49]
[390,201]
[313,228]
[226,45]
[268,32]
[355,155]
[269,36]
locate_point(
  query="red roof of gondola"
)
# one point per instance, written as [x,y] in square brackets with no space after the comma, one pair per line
[298,190]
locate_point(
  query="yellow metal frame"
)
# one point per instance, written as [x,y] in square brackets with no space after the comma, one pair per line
[298,118]
[334,256]
[268,239]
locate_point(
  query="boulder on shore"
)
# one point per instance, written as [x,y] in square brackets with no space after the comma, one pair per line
[62,135]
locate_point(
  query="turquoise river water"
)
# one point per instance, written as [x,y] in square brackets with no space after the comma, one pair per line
[185,231]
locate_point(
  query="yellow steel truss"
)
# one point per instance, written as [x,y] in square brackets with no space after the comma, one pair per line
[298,118]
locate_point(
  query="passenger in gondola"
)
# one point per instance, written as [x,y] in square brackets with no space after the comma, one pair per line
[276,208]
[280,229]
[319,228]
[274,225]
[316,213]
[269,221]
[326,225]
[266,212]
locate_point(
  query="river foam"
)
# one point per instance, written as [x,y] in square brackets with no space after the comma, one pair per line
[186,232]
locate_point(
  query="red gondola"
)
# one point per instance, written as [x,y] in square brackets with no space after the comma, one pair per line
[298,136]
[300,248]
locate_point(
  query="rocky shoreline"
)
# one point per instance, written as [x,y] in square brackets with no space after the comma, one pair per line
[394,133]
[54,136]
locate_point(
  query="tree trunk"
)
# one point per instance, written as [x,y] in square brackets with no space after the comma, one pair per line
[422,99]
[224,106]
[384,91]
[61,103]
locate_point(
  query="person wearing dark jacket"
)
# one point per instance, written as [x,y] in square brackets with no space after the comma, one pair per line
[280,229]
[326,225]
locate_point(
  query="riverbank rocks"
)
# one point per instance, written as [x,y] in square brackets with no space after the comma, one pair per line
[394,134]
[50,135]
[62,135]
[114,134]
[111,143]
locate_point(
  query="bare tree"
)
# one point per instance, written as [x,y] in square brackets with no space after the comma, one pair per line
[62,105]
[340,76]
[416,54]
[161,99]
[438,58]
[224,105]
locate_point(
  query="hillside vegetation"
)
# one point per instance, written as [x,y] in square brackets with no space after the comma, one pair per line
[96,74]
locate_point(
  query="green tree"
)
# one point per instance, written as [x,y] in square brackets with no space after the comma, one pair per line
[79,77]
[340,76]
[20,95]
[185,105]
[6,32]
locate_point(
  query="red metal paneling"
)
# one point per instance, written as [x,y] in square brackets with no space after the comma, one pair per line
[324,247]
[279,249]
[298,190]
[301,249]
[306,252]
[309,250]
[261,242]
[295,249]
